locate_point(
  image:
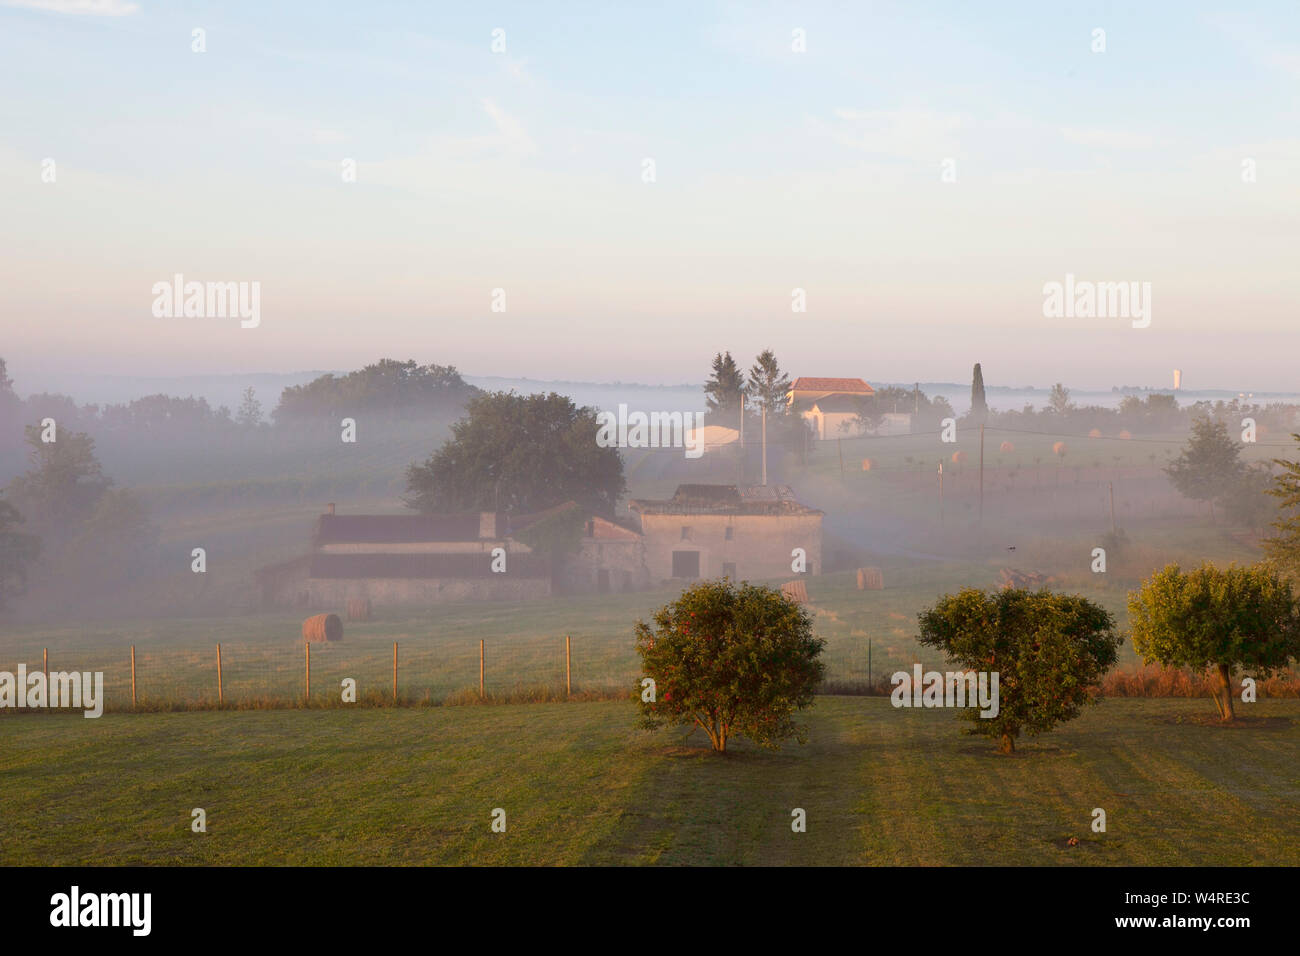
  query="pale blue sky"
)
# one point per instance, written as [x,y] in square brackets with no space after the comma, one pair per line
[775,170]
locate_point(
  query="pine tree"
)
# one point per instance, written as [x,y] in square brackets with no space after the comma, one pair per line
[768,384]
[724,389]
[979,407]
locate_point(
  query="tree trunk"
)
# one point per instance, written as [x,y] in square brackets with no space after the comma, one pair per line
[1008,744]
[1225,680]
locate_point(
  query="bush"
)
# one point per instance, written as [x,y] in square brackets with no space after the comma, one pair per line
[735,660]
[1224,618]
[1049,650]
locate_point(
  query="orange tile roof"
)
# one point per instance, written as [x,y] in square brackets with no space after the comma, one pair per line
[831,385]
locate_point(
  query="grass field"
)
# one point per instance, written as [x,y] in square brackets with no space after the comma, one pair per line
[580,784]
[868,634]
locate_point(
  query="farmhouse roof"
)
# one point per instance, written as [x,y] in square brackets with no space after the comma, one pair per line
[725,500]
[522,565]
[396,529]
[853,385]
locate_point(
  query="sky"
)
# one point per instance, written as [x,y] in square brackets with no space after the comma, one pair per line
[919,170]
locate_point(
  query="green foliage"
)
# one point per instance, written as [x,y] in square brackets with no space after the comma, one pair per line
[17,550]
[768,385]
[522,454]
[735,660]
[557,534]
[250,409]
[65,483]
[1247,503]
[1049,650]
[1209,465]
[1284,547]
[725,387]
[1058,400]
[1238,617]
[389,386]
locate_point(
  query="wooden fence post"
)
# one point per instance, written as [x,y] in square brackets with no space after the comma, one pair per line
[133,677]
[568,669]
[480,670]
[221,697]
[307,644]
[394,672]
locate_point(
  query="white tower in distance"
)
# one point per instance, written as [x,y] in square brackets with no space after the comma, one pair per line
[1178,379]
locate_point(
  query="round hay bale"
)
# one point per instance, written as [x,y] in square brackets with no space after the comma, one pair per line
[866,464]
[1006,446]
[958,457]
[358,609]
[322,627]
[1126,434]
[1058,449]
[1094,433]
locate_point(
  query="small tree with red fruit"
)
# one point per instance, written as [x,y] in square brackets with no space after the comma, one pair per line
[734,660]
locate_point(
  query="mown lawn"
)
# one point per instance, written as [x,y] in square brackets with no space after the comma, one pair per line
[581,785]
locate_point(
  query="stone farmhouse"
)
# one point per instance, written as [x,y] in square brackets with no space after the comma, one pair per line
[710,531]
[408,559]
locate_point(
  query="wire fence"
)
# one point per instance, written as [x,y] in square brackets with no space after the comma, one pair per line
[375,671]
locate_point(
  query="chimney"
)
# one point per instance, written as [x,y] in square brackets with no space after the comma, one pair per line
[329,508]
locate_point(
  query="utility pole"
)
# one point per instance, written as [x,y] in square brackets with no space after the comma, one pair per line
[940,492]
[764,444]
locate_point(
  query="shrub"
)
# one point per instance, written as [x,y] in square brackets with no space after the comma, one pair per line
[735,660]
[1050,652]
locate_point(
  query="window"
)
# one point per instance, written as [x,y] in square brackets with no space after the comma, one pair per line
[731,533]
[686,564]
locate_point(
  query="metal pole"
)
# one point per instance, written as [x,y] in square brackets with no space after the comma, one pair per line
[941,493]
[480,669]
[568,668]
[307,645]
[221,697]
[394,672]
[765,444]
[133,676]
